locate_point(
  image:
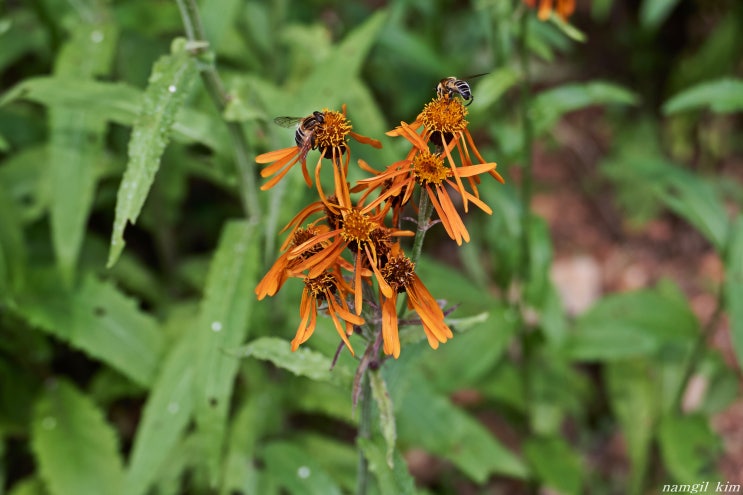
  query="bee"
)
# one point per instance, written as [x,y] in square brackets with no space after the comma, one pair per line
[306,127]
[452,86]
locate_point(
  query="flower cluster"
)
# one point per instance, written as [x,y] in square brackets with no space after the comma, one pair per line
[342,248]
[564,8]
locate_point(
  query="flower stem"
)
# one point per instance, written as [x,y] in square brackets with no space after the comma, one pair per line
[528,142]
[215,88]
[526,193]
[697,352]
[365,427]
[425,209]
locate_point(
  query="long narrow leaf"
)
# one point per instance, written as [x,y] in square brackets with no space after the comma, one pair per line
[76,142]
[76,449]
[222,327]
[166,93]
[721,96]
[167,413]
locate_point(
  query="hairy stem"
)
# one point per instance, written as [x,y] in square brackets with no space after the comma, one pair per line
[365,427]
[425,209]
[214,87]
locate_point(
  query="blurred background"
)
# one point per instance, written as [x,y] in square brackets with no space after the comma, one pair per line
[599,309]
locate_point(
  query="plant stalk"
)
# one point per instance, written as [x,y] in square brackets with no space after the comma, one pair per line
[365,427]
[215,88]
[527,181]
[425,209]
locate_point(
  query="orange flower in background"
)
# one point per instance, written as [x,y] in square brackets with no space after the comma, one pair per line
[399,272]
[564,8]
[326,131]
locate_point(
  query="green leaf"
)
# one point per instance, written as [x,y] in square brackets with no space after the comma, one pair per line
[76,142]
[116,102]
[491,337]
[21,32]
[75,448]
[222,326]
[550,105]
[165,94]
[97,319]
[721,96]
[698,201]
[430,421]
[494,85]
[29,486]
[568,29]
[647,176]
[260,415]
[555,464]
[632,324]
[12,246]
[302,362]
[654,12]
[556,391]
[297,470]
[166,414]
[386,413]
[734,286]
[341,66]
[23,178]
[634,400]
[689,447]
[393,478]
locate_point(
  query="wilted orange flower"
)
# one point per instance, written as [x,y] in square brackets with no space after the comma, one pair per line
[564,8]
[399,272]
[328,133]
[327,287]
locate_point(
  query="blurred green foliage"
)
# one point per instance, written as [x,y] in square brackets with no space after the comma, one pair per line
[149,368]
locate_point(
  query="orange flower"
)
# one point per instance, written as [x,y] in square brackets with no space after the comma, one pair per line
[330,288]
[279,272]
[326,131]
[564,8]
[430,172]
[358,229]
[399,272]
[443,121]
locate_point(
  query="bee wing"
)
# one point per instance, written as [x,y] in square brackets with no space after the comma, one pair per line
[474,76]
[287,121]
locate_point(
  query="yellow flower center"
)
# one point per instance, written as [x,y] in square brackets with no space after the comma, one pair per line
[357,227]
[429,168]
[445,115]
[398,273]
[321,285]
[333,131]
